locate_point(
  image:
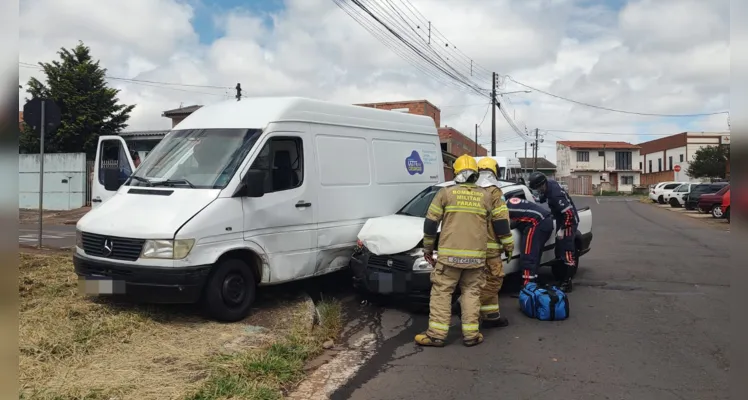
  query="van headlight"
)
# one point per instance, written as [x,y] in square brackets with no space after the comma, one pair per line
[167,249]
[420,264]
[78,239]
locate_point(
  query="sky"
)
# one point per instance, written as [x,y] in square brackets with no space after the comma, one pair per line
[645,56]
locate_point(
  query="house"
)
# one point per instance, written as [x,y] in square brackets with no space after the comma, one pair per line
[178,114]
[660,158]
[610,164]
[543,165]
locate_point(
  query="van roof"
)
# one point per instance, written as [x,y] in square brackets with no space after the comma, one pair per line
[258,112]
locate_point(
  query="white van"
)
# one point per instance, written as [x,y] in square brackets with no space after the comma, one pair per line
[253,192]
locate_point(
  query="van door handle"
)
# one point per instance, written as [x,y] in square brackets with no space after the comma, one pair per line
[96,200]
[301,204]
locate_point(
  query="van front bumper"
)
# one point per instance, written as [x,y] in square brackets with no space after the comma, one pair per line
[391,275]
[142,284]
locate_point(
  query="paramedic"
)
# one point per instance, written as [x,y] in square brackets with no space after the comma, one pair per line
[489,298]
[536,226]
[567,219]
[464,211]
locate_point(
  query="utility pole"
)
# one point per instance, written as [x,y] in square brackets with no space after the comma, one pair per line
[493,115]
[535,156]
[524,167]
[476,140]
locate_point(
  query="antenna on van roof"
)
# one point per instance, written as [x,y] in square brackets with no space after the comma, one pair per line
[238,91]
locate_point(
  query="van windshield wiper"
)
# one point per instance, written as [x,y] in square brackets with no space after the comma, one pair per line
[141,179]
[172,182]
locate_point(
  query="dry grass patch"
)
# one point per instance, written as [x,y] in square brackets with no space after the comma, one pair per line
[74,347]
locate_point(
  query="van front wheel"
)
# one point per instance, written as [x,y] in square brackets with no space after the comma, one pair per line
[230,291]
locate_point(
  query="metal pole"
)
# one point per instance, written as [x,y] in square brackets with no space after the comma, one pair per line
[535,156]
[476,140]
[493,117]
[41,175]
[524,164]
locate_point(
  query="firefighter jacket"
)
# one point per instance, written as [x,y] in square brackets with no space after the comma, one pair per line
[464,211]
[500,212]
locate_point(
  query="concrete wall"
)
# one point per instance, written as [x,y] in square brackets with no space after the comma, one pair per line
[58,195]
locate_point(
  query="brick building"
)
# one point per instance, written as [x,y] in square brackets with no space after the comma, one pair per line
[659,157]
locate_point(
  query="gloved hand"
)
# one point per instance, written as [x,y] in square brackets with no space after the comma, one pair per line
[560,234]
[428,255]
[508,251]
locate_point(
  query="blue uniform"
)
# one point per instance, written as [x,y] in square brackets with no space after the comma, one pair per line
[567,219]
[536,227]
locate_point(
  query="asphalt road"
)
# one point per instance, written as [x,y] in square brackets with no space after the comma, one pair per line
[57,236]
[649,320]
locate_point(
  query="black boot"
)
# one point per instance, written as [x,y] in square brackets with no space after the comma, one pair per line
[566,286]
[494,321]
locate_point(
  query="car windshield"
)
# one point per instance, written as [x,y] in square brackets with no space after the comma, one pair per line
[700,188]
[196,158]
[418,206]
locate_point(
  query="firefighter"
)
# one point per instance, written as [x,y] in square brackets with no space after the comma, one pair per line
[489,298]
[565,213]
[464,211]
[536,226]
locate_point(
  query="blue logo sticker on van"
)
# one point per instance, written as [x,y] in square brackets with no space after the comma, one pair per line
[414,164]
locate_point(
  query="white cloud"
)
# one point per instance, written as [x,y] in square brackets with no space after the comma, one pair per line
[662,56]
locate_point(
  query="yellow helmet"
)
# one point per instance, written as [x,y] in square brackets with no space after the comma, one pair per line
[490,164]
[465,162]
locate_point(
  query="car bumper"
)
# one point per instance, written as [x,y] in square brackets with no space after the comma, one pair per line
[371,274]
[586,244]
[143,284]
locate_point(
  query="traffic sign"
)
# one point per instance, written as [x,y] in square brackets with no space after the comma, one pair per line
[677,168]
[33,115]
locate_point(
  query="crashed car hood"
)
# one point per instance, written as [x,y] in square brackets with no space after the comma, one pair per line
[391,234]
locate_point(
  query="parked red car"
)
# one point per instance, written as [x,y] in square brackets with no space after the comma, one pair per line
[712,203]
[726,205]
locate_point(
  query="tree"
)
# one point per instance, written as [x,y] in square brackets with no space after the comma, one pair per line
[710,162]
[88,107]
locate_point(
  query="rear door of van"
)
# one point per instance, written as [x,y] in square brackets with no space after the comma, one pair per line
[283,220]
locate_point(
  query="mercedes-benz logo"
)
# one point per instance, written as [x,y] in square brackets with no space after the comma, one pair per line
[108,247]
[389,263]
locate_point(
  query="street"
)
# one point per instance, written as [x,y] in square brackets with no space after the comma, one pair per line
[56,236]
[649,320]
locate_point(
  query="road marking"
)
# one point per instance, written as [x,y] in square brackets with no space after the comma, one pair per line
[597,200]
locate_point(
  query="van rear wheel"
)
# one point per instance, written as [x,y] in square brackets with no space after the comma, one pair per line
[230,291]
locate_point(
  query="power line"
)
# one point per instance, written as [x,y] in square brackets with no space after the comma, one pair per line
[608,133]
[613,109]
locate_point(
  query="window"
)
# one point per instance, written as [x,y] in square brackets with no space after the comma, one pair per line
[641,165]
[520,194]
[623,161]
[671,186]
[683,188]
[650,166]
[670,161]
[583,156]
[659,165]
[627,180]
[112,156]
[418,206]
[601,154]
[681,158]
[282,161]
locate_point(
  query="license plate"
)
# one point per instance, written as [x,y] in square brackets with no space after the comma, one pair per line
[382,281]
[99,286]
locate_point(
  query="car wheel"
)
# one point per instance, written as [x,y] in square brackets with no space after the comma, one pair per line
[661,200]
[674,203]
[717,211]
[230,291]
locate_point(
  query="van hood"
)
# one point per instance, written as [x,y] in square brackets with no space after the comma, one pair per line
[146,216]
[392,234]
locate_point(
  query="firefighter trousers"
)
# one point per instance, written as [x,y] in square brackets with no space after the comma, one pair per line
[444,280]
[489,296]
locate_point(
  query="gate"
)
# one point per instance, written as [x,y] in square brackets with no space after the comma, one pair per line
[579,185]
[105,164]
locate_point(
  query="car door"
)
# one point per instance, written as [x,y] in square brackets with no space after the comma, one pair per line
[111,153]
[283,221]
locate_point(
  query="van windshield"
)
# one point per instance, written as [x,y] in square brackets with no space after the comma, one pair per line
[418,206]
[196,158]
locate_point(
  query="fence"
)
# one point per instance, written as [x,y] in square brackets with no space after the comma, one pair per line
[64,181]
[581,185]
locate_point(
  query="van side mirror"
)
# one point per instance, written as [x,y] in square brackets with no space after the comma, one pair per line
[111,179]
[253,183]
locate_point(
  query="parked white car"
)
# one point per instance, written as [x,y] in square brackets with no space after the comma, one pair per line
[389,258]
[677,197]
[657,194]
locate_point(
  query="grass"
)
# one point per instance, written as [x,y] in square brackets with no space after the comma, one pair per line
[72,347]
